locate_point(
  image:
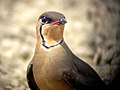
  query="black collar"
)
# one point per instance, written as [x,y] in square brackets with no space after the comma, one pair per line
[44,42]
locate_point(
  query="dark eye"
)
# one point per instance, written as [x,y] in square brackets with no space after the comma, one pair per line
[45,20]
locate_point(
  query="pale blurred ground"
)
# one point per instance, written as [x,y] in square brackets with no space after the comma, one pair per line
[18,36]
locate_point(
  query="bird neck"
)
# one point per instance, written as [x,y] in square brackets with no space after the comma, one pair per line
[51,36]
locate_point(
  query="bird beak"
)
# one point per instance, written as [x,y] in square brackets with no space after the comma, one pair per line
[60,21]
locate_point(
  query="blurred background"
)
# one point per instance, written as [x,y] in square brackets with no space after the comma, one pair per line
[92,33]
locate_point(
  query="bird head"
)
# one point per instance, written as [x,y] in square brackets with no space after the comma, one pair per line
[50,28]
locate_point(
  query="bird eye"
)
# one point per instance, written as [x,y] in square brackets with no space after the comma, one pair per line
[45,20]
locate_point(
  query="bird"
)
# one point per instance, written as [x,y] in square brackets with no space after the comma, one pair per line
[54,66]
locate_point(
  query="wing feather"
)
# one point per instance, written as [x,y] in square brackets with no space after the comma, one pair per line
[82,76]
[30,78]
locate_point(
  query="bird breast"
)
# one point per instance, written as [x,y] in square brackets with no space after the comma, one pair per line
[48,67]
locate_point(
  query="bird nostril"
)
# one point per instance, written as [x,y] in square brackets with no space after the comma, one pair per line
[62,21]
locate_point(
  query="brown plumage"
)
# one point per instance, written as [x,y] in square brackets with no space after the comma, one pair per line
[54,66]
